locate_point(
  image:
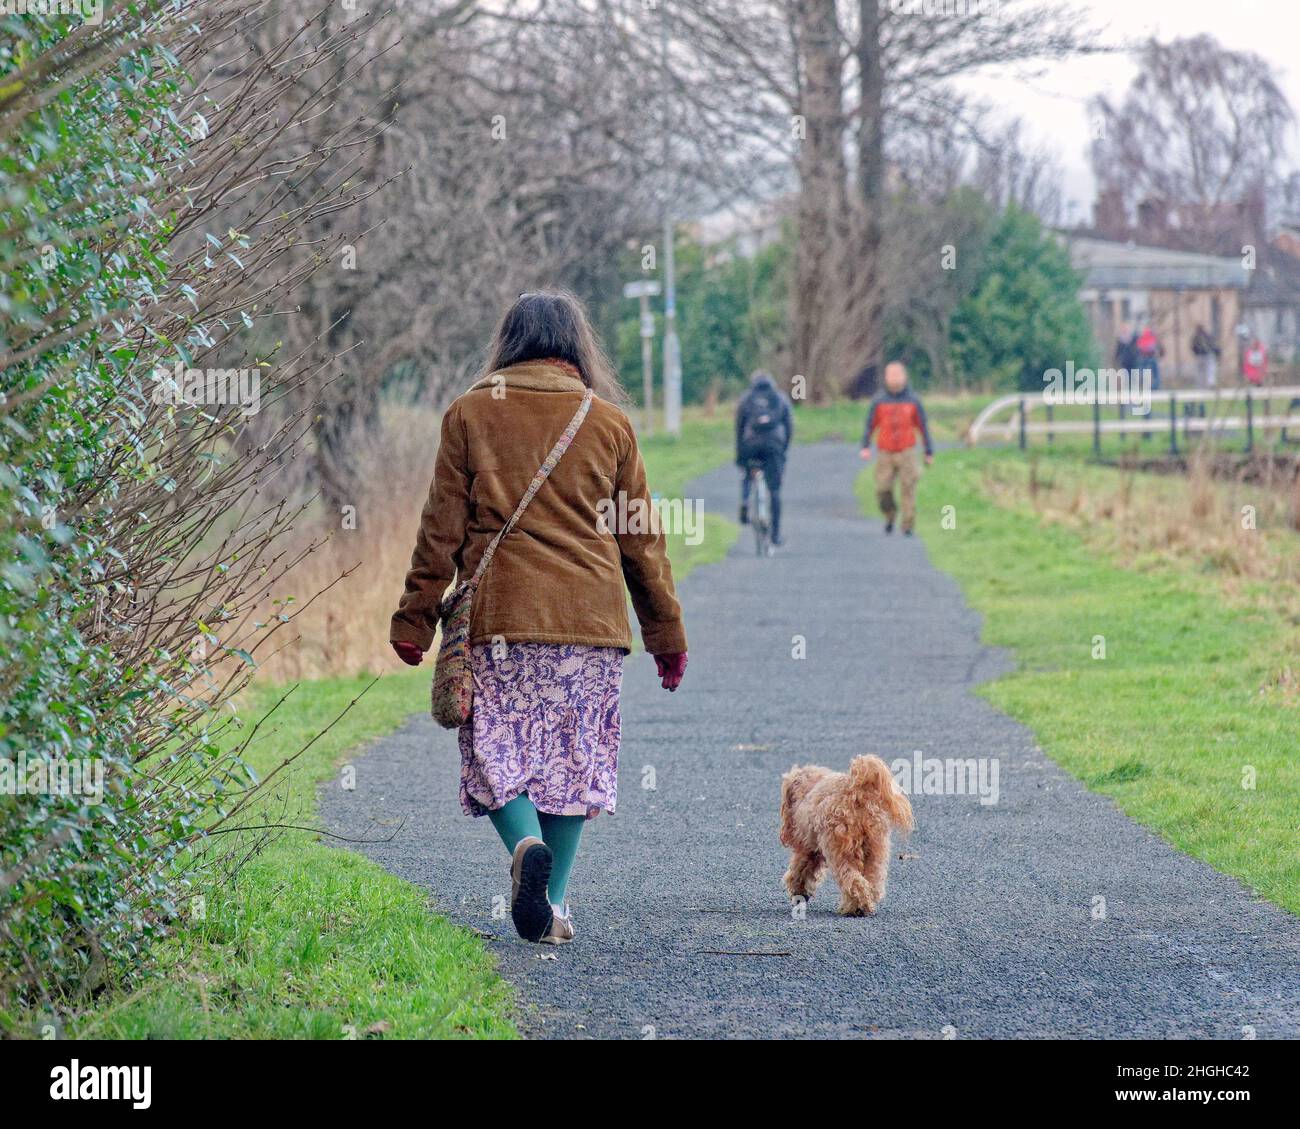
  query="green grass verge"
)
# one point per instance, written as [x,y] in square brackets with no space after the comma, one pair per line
[312,941]
[1171,722]
[707,442]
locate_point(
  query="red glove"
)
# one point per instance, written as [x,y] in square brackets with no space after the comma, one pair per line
[671,668]
[409,653]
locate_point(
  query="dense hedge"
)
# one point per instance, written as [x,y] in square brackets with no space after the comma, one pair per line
[128,569]
[83,879]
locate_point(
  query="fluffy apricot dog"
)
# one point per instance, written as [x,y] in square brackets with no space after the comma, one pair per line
[842,820]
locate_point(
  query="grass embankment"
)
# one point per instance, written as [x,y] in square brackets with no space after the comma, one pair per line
[1190,719]
[707,442]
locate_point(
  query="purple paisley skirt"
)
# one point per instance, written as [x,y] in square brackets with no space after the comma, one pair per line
[545,722]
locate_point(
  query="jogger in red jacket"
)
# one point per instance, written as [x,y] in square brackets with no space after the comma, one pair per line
[895,417]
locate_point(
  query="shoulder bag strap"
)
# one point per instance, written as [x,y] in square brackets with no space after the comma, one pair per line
[543,472]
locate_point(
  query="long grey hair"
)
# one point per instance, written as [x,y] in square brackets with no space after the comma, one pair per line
[553,323]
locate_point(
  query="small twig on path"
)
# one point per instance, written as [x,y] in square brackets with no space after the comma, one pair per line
[742,953]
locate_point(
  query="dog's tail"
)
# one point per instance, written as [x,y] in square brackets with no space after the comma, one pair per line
[794,786]
[871,776]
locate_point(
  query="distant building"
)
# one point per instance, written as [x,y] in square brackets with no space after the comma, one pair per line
[1174,291]
[1185,265]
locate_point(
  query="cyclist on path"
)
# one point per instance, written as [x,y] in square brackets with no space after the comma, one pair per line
[764,428]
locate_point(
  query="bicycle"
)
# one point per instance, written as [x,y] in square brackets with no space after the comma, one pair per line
[760,509]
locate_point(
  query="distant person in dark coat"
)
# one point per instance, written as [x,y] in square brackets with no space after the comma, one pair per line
[1126,354]
[1206,350]
[865,384]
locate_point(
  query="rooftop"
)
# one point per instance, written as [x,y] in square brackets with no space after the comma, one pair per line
[1107,264]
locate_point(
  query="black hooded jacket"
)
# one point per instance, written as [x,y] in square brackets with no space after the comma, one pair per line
[764,421]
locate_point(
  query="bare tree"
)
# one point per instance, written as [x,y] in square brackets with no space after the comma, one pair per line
[514,151]
[862,82]
[1201,129]
[1011,172]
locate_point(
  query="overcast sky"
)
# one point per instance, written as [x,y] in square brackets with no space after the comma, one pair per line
[1053,102]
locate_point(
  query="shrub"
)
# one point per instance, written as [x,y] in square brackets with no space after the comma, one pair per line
[137,537]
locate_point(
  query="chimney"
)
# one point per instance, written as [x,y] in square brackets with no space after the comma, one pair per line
[1108,218]
[1153,218]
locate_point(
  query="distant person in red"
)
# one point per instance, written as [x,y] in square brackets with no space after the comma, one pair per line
[894,418]
[1148,354]
[1254,364]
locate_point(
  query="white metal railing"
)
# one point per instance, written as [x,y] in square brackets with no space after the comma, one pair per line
[1163,415]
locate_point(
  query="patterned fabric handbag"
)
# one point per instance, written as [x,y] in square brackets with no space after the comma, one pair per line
[452,694]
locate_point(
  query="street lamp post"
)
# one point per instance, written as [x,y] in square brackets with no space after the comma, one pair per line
[645,289]
[672,349]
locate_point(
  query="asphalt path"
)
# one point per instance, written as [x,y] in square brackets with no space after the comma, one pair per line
[1037,911]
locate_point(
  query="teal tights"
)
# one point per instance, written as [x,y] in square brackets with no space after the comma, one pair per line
[518,819]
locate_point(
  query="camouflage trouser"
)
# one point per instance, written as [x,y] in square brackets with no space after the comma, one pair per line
[901,465]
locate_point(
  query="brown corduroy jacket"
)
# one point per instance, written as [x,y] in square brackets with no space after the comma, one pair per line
[558,577]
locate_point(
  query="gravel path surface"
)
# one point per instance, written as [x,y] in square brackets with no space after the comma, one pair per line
[991,924]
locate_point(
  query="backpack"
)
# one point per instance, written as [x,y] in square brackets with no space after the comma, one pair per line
[763,420]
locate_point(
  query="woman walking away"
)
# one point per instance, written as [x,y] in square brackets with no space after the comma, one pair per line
[548,626]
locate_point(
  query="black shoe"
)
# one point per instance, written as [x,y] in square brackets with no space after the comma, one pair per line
[889,527]
[777,539]
[530,871]
[744,514]
[907,533]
